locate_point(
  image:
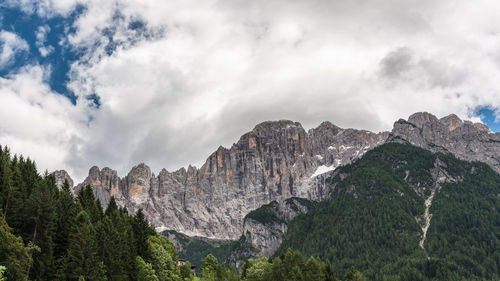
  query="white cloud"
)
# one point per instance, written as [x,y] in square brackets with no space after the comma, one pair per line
[10,44]
[36,122]
[41,37]
[199,74]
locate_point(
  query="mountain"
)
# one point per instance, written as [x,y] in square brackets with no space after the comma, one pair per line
[405,213]
[275,161]
[264,229]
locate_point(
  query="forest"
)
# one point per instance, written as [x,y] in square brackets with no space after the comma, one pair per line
[373,219]
[47,233]
[372,223]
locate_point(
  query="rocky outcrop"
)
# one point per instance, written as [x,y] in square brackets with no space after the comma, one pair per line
[464,139]
[265,227]
[275,161]
[105,184]
[61,176]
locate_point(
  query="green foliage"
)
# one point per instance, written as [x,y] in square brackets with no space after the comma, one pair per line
[145,271]
[195,249]
[13,254]
[82,259]
[290,266]
[63,238]
[2,272]
[292,202]
[370,220]
[211,270]
[185,271]
[354,275]
[266,214]
[163,258]
[257,270]
[142,230]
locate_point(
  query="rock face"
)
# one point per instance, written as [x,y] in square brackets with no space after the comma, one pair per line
[464,139]
[265,227]
[61,176]
[275,161]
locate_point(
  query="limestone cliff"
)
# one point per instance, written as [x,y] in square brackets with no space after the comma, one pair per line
[275,161]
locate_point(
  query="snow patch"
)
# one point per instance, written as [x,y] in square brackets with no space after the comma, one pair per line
[319,157]
[323,169]
[331,148]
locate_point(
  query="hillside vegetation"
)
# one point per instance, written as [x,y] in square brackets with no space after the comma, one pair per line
[376,212]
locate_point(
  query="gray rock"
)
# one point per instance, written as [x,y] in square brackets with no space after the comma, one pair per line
[275,161]
[267,236]
[464,139]
[61,176]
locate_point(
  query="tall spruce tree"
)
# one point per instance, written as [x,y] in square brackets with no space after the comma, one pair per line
[142,230]
[66,212]
[13,254]
[82,259]
[40,218]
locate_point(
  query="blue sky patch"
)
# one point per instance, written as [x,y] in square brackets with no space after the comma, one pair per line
[487,115]
[52,51]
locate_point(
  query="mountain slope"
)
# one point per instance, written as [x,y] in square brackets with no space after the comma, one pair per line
[264,229]
[375,219]
[275,161]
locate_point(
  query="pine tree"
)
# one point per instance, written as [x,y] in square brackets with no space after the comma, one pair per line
[40,218]
[6,182]
[15,217]
[90,204]
[142,230]
[13,254]
[82,259]
[66,211]
[112,207]
[112,250]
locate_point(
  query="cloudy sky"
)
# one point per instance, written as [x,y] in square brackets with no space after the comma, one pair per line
[118,82]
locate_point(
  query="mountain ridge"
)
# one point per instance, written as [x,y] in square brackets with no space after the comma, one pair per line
[275,160]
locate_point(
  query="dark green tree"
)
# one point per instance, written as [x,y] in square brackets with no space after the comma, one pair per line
[13,254]
[82,259]
[142,230]
[40,220]
[145,271]
[66,212]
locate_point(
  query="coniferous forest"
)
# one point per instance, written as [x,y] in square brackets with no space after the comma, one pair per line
[372,222]
[46,233]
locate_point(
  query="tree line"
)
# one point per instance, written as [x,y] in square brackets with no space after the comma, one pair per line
[47,233]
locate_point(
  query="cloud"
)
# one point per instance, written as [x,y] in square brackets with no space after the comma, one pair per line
[176,79]
[11,44]
[35,121]
[41,37]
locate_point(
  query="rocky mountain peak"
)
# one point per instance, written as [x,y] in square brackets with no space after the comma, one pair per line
[465,139]
[137,182]
[61,176]
[420,119]
[267,127]
[451,122]
[94,172]
[274,161]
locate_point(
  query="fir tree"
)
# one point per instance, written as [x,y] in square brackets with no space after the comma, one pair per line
[82,259]
[13,254]
[142,230]
[40,218]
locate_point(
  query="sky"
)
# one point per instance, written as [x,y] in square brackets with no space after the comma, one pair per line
[119,82]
